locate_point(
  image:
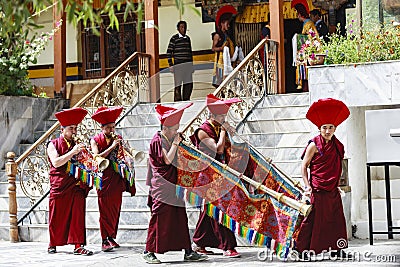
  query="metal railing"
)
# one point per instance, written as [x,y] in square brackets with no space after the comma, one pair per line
[128,86]
[249,81]
[123,87]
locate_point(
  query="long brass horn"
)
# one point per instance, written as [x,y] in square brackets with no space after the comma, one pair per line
[134,154]
[137,155]
[102,163]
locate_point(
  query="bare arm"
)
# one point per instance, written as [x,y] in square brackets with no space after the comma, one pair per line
[214,47]
[57,160]
[210,143]
[310,152]
[170,155]
[105,153]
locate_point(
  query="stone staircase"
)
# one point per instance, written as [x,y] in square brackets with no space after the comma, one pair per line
[279,130]
[277,127]
[138,129]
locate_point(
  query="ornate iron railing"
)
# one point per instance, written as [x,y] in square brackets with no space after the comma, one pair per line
[125,86]
[249,81]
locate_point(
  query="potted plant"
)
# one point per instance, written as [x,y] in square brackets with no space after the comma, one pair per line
[312,50]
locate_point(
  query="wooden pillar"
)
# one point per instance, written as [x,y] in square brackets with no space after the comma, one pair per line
[60,59]
[11,171]
[152,48]
[277,34]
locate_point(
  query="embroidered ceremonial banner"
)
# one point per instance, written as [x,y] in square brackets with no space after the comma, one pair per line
[256,216]
[84,174]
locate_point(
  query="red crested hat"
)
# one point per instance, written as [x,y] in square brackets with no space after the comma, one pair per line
[218,106]
[105,115]
[303,3]
[72,116]
[327,111]
[228,9]
[170,116]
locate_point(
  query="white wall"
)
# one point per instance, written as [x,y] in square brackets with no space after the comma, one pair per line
[73,41]
[199,33]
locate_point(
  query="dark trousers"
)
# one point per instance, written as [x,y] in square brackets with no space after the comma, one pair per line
[183,77]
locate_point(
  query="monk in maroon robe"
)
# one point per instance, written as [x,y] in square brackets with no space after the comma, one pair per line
[168,227]
[211,138]
[67,201]
[113,185]
[324,229]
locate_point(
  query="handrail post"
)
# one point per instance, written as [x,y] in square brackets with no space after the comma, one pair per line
[11,170]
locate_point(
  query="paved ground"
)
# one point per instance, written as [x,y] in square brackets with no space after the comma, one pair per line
[382,253]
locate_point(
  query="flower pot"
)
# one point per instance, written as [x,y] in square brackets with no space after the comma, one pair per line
[319,60]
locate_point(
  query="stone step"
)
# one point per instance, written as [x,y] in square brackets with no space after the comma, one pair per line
[281,126]
[132,234]
[127,234]
[3,176]
[379,209]
[278,140]
[291,167]
[278,113]
[290,153]
[286,100]
[200,91]
[137,216]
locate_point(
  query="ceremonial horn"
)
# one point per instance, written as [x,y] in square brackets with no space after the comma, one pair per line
[102,163]
[137,155]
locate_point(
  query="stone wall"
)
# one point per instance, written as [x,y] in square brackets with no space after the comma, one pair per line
[20,117]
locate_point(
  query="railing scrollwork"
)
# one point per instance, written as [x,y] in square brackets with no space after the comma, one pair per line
[249,81]
[121,88]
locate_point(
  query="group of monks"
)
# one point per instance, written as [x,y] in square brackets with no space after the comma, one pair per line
[67,201]
[168,228]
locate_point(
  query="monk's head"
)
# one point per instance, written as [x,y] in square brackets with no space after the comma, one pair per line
[327,131]
[69,131]
[108,128]
[170,131]
[217,119]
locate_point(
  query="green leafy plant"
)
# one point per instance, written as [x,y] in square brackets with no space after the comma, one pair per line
[368,44]
[14,62]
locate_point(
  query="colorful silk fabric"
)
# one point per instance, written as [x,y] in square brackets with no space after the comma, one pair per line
[256,216]
[84,174]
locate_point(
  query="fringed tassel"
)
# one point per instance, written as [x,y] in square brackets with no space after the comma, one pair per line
[124,171]
[180,192]
[87,177]
[188,196]
[252,236]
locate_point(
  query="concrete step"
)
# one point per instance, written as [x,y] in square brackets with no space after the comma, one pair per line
[278,140]
[281,126]
[290,153]
[278,113]
[286,100]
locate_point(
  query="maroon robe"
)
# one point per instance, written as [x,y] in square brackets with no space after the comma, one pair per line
[325,224]
[67,203]
[110,195]
[209,233]
[168,227]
